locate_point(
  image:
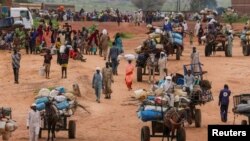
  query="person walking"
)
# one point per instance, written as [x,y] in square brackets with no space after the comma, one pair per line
[224,102]
[104,43]
[113,56]
[16,58]
[97,83]
[129,74]
[107,80]
[47,63]
[230,39]
[64,60]
[33,123]
[162,62]
[195,60]
[118,43]
[200,34]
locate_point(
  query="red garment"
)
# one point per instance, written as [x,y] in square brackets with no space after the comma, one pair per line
[94,37]
[129,75]
[72,54]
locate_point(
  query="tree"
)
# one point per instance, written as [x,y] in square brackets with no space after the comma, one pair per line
[22,1]
[197,5]
[149,5]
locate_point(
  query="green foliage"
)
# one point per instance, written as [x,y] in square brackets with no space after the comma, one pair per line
[21,35]
[126,35]
[197,5]
[92,28]
[234,18]
[36,22]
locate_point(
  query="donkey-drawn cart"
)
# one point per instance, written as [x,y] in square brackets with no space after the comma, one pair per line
[149,58]
[241,107]
[69,126]
[200,95]
[216,43]
[160,130]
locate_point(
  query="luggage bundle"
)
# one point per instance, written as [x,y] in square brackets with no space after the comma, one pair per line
[242,104]
[152,108]
[63,101]
[176,38]
[7,125]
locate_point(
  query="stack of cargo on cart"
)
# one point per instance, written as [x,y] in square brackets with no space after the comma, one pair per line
[65,105]
[242,106]
[155,108]
[7,125]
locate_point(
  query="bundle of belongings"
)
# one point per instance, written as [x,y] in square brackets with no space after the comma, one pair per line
[202,93]
[156,103]
[63,101]
[244,106]
[7,125]
[176,38]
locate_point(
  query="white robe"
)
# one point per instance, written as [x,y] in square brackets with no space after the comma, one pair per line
[34,124]
[162,65]
[197,28]
[195,60]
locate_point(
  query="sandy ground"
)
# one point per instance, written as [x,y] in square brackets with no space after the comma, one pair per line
[115,119]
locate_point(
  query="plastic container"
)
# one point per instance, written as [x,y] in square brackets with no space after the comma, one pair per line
[177,36]
[62,105]
[42,100]
[60,89]
[40,106]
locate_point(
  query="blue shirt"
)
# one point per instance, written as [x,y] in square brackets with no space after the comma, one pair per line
[97,80]
[224,97]
[114,53]
[167,27]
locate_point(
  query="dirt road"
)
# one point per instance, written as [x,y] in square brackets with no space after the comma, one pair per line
[115,119]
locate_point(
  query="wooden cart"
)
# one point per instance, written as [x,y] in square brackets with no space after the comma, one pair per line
[237,100]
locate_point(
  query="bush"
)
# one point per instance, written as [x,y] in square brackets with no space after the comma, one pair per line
[234,18]
[37,22]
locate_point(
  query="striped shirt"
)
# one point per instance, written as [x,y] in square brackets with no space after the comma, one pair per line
[16,60]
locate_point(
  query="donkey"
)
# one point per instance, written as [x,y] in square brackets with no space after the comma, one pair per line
[174,119]
[151,65]
[52,118]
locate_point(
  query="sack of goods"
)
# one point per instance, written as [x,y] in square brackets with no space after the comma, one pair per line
[62,48]
[140,94]
[176,38]
[63,101]
[129,56]
[42,71]
[152,108]
[7,126]
[138,49]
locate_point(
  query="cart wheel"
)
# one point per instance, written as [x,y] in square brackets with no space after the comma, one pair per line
[207,53]
[139,74]
[178,53]
[181,134]
[226,53]
[40,134]
[246,50]
[243,122]
[197,118]
[72,129]
[145,133]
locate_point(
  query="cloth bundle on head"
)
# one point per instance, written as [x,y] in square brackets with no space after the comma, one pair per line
[104,32]
[158,31]
[168,78]
[97,68]
[33,105]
